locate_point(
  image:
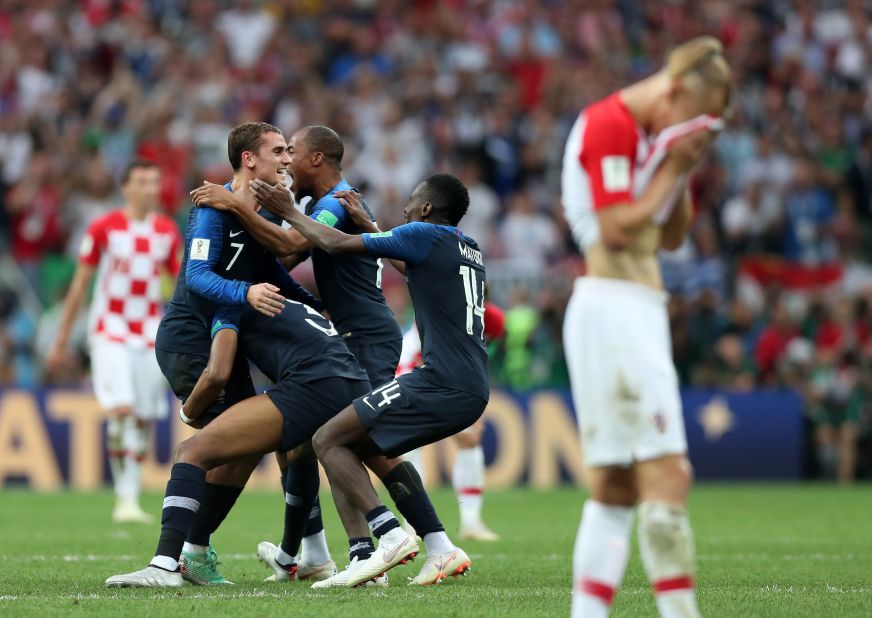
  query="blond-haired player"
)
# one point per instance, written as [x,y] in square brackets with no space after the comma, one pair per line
[624,189]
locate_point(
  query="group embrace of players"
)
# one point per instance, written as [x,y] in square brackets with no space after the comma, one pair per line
[235,302]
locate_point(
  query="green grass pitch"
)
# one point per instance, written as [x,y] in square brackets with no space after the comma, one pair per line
[763,550]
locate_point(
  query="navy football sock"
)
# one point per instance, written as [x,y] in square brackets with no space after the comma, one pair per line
[216,504]
[181,503]
[360,547]
[381,521]
[314,524]
[407,490]
[301,490]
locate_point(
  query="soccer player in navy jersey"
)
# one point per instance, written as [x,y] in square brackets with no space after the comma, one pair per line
[313,374]
[350,286]
[220,267]
[446,278]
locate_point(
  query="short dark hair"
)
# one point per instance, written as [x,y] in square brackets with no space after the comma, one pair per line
[448,195]
[136,164]
[247,137]
[327,141]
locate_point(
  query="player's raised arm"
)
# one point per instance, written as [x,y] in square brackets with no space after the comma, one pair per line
[322,236]
[277,240]
[353,204]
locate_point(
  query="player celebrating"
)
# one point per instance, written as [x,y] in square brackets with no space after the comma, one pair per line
[350,286]
[128,248]
[220,265]
[313,376]
[625,192]
[445,272]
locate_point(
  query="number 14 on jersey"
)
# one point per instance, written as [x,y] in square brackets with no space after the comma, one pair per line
[474,298]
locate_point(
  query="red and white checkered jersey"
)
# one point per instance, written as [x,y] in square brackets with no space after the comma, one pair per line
[130,255]
[610,160]
[604,150]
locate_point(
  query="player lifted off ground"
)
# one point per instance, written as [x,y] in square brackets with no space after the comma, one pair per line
[446,278]
[128,248]
[220,267]
[350,286]
[625,192]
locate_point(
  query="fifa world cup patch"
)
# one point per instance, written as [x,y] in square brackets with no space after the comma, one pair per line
[200,249]
[616,173]
[327,218]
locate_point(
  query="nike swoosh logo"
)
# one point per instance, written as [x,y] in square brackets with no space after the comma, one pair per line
[389,556]
[366,401]
[232,234]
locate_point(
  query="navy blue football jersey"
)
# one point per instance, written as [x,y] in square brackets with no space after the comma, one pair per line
[446,278]
[298,344]
[350,285]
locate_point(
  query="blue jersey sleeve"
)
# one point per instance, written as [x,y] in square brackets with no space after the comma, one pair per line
[226,317]
[330,212]
[289,287]
[206,237]
[410,243]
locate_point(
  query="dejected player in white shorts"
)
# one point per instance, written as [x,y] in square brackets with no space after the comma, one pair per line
[624,188]
[128,248]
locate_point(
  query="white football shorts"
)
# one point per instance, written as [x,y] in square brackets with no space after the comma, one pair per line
[624,384]
[128,376]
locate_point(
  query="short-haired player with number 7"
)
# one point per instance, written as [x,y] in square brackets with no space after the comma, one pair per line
[446,279]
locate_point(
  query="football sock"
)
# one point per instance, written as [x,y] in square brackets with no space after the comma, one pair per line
[416,458]
[314,524]
[190,548]
[602,549]
[314,549]
[468,480]
[405,486]
[115,449]
[437,543]
[218,500]
[284,559]
[666,547]
[181,502]
[360,547]
[301,490]
[134,442]
[381,521]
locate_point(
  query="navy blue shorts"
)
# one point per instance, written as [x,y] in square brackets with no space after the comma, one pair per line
[306,406]
[411,411]
[183,370]
[378,360]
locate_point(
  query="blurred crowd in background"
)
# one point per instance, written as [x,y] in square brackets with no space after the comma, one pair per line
[773,287]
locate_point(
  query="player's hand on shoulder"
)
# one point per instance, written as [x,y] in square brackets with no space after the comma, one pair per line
[352,202]
[275,198]
[214,196]
[686,151]
[265,298]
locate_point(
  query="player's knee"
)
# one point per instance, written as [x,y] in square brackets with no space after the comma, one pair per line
[303,454]
[188,451]
[322,442]
[665,539]
[122,411]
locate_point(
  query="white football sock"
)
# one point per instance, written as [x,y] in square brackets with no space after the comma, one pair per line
[284,558]
[134,439]
[165,562]
[666,547]
[438,543]
[416,459]
[191,548]
[115,448]
[468,480]
[602,549]
[314,550]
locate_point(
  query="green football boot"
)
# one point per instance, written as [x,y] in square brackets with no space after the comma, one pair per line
[201,568]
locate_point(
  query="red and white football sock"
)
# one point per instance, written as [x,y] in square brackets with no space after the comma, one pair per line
[468,480]
[115,449]
[135,440]
[666,546]
[602,549]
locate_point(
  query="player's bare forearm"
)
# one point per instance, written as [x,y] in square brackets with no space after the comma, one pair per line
[276,239]
[324,237]
[73,301]
[352,202]
[676,227]
[400,265]
[619,224]
[215,375]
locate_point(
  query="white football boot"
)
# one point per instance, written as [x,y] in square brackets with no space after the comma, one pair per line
[149,577]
